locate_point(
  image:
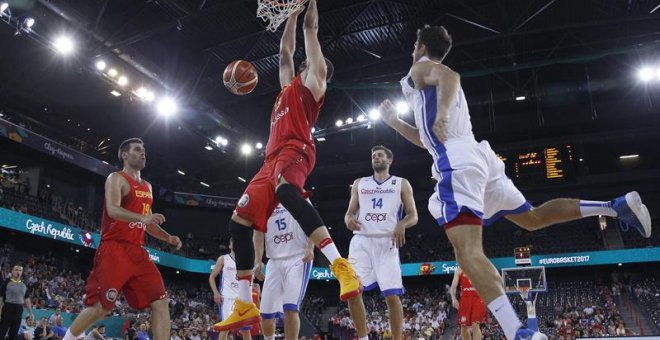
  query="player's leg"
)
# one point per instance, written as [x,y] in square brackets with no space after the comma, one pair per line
[359,252]
[268,328]
[272,297]
[160,319]
[387,270]
[465,333]
[476,331]
[245,334]
[291,324]
[629,209]
[112,268]
[395,310]
[289,176]
[252,211]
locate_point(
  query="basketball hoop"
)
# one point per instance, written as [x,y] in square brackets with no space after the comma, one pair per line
[275,12]
[524,293]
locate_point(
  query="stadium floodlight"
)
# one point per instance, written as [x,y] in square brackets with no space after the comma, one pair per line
[402,107]
[64,45]
[374,114]
[339,123]
[645,74]
[349,120]
[246,149]
[167,107]
[259,146]
[101,65]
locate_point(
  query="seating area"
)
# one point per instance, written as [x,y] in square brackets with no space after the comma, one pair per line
[647,294]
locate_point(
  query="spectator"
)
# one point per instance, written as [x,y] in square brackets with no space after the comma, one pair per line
[59,330]
[42,331]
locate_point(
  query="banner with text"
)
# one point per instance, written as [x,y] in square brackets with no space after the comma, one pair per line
[26,137]
[60,232]
[197,200]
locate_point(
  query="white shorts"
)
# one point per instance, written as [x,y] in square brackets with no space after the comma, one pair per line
[377,264]
[226,307]
[284,286]
[472,179]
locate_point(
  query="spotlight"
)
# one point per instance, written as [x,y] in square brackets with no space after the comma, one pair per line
[349,120]
[520,98]
[112,72]
[204,184]
[219,140]
[313,129]
[374,114]
[181,172]
[339,123]
[122,81]
[149,96]
[402,107]
[361,118]
[259,146]
[64,45]
[3,7]
[115,93]
[645,74]
[100,65]
[208,147]
[28,23]
[246,149]
[241,179]
[167,107]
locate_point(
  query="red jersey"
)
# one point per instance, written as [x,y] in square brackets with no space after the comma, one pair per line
[138,200]
[466,286]
[294,114]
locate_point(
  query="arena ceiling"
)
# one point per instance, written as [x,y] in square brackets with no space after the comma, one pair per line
[575,62]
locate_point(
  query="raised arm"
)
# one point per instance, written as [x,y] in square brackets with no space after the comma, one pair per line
[409,132]
[316,68]
[447,83]
[288,48]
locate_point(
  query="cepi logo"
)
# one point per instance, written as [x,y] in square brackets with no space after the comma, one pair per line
[322,274]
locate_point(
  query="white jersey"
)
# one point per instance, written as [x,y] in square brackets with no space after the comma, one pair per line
[425,106]
[228,284]
[380,206]
[284,237]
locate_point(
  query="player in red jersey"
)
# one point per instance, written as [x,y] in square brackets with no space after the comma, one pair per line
[290,157]
[120,263]
[471,309]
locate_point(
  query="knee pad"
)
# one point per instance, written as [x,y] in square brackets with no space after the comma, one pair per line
[243,246]
[301,210]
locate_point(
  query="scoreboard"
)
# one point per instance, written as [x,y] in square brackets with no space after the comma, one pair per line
[553,164]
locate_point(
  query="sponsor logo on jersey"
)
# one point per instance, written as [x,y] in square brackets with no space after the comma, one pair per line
[426,268]
[278,116]
[375,217]
[245,199]
[138,225]
[142,194]
[377,191]
[283,238]
[111,294]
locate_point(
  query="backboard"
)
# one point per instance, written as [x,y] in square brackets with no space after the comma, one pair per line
[531,277]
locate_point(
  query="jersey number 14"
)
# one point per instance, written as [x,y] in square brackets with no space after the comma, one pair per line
[378,203]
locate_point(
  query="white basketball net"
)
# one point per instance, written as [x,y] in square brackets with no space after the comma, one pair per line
[275,12]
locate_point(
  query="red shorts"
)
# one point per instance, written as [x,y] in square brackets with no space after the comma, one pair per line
[259,199]
[471,309]
[121,267]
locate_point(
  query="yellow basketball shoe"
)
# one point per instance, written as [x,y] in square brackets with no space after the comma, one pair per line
[244,314]
[349,284]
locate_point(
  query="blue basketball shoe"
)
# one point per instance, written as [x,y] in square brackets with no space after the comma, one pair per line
[631,212]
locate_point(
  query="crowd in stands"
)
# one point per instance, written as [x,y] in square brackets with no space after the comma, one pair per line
[647,293]
[426,312]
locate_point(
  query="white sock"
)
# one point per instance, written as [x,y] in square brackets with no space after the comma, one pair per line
[595,208]
[505,315]
[69,335]
[245,288]
[364,338]
[329,249]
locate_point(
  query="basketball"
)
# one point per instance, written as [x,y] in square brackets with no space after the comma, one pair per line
[240,77]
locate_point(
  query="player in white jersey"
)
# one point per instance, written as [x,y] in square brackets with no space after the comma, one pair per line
[224,285]
[375,215]
[287,273]
[472,187]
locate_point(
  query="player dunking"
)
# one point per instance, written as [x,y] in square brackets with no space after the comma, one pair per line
[287,272]
[472,186]
[472,311]
[223,277]
[290,157]
[375,216]
[120,263]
